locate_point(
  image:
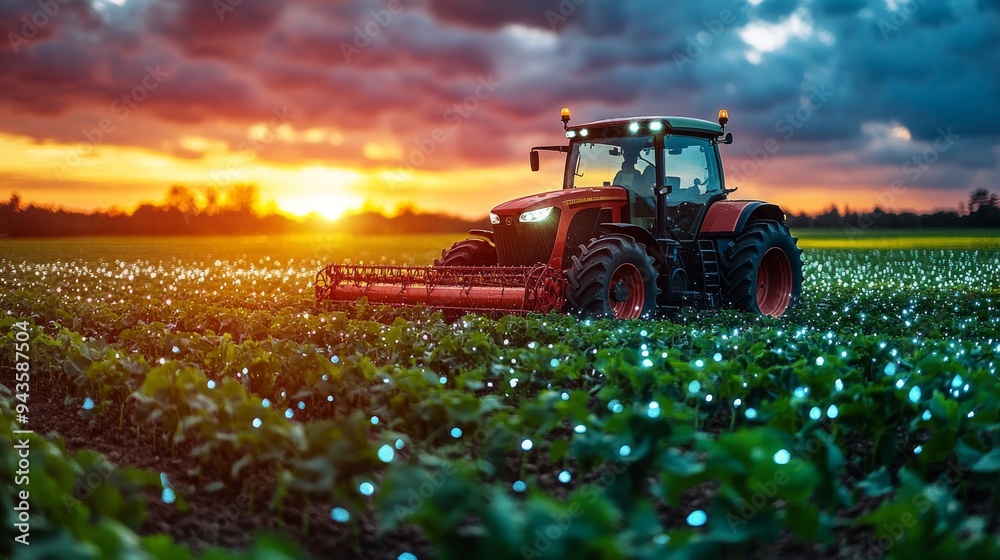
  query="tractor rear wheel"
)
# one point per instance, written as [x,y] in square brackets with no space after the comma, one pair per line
[469,252]
[613,276]
[762,270]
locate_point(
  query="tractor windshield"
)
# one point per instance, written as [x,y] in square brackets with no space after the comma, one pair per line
[627,162]
[624,162]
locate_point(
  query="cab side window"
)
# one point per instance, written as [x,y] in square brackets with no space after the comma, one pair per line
[691,169]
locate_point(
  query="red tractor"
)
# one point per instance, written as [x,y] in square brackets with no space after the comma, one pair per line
[642,224]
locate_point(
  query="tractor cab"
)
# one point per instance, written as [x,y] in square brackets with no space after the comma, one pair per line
[669,166]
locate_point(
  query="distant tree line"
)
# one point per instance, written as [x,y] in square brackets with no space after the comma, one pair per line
[235,211]
[982,211]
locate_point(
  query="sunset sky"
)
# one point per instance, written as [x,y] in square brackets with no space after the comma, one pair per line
[328,104]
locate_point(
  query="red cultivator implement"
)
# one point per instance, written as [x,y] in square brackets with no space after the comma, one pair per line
[507,289]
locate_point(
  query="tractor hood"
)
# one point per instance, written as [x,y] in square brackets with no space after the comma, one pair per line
[560,198]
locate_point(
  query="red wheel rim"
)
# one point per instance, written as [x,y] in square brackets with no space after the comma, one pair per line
[626,292]
[774,283]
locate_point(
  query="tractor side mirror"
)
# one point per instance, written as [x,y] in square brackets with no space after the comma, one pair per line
[728,139]
[533,159]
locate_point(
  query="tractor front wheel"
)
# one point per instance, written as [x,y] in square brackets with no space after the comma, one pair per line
[469,252]
[613,276]
[762,270]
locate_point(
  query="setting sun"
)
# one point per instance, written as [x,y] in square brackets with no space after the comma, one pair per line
[321,190]
[330,207]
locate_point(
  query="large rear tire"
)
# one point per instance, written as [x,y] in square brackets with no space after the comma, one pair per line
[614,277]
[469,252]
[762,270]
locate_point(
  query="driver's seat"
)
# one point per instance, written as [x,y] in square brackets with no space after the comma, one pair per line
[639,197]
[628,178]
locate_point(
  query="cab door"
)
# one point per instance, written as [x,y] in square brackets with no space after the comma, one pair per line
[691,169]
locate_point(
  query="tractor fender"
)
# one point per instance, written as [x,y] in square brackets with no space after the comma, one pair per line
[641,235]
[730,217]
[483,233]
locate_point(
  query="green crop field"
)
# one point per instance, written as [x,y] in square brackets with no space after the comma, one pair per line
[189,399]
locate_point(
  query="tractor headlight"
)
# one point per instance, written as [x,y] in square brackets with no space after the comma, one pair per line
[535,215]
[494,219]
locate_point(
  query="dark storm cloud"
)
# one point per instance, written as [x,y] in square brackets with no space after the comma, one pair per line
[26,21]
[206,91]
[216,27]
[414,41]
[392,70]
[491,15]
